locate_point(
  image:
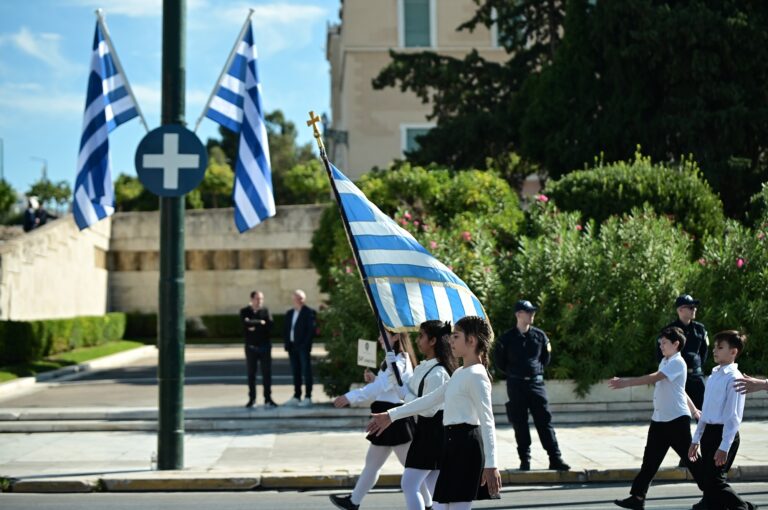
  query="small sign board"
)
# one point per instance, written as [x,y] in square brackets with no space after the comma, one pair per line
[171,161]
[366,353]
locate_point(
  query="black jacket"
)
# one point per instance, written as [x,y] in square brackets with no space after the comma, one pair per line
[696,344]
[304,331]
[522,355]
[251,318]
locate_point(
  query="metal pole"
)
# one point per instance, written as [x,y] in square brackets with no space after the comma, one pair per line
[170,372]
[2,160]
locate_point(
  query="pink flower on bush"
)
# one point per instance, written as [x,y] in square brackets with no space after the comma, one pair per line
[702,262]
[403,221]
[416,223]
[542,198]
[348,269]
[466,236]
[740,262]
[407,215]
[761,235]
[579,228]
[432,245]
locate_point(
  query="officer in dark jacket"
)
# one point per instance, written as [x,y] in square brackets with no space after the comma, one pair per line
[522,353]
[257,324]
[696,346]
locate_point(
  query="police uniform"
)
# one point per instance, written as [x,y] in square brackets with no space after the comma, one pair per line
[522,357]
[694,352]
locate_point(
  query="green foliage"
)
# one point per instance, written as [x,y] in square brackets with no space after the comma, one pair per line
[307,183]
[53,195]
[614,189]
[732,283]
[219,180]
[32,340]
[131,195]
[758,206]
[603,295]
[7,198]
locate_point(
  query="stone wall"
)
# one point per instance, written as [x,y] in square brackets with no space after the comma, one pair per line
[55,272]
[222,265]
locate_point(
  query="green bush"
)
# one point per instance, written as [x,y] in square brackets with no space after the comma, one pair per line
[32,340]
[603,296]
[732,283]
[679,192]
[307,183]
[141,325]
[758,207]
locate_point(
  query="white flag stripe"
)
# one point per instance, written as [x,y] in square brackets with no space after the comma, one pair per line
[415,258]
[96,139]
[348,187]
[416,302]
[388,302]
[443,303]
[112,110]
[86,208]
[232,84]
[227,109]
[113,83]
[246,208]
[254,171]
[378,228]
[466,302]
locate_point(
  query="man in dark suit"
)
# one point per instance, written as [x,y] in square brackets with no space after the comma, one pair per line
[257,324]
[298,331]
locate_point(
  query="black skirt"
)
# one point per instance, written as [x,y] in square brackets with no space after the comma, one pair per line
[400,432]
[461,467]
[427,446]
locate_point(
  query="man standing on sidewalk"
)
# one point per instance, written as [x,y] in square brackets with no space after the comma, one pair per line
[298,332]
[696,346]
[257,324]
[522,353]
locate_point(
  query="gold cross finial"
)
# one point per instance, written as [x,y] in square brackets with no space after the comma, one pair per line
[313,120]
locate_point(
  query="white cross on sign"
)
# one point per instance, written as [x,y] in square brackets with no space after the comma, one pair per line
[170,161]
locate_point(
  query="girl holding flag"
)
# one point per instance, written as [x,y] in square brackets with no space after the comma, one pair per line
[468,468]
[382,394]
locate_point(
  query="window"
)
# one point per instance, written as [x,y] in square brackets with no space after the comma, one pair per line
[417,23]
[409,135]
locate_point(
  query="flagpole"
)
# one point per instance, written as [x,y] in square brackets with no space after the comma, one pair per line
[116,60]
[230,58]
[313,120]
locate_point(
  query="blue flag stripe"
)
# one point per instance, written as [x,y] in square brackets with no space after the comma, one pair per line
[367,242]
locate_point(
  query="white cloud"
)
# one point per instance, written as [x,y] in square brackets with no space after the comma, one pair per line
[26,98]
[149,97]
[133,8]
[43,46]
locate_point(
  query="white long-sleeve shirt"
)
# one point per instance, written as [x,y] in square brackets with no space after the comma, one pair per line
[723,405]
[381,388]
[436,377]
[467,399]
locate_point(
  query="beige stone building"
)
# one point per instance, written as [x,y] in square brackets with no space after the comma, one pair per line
[373,127]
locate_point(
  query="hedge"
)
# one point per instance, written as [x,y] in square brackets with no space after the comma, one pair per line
[24,341]
[144,325]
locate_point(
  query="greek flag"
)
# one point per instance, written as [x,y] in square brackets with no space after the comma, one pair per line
[409,285]
[236,105]
[108,104]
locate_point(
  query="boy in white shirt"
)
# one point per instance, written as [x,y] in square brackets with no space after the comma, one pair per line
[718,429]
[672,410]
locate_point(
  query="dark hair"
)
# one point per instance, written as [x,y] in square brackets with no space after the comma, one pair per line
[441,332]
[254,292]
[735,339]
[475,326]
[402,343]
[674,334]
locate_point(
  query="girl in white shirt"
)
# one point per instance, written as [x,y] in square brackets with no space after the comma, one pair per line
[423,462]
[382,395]
[468,469]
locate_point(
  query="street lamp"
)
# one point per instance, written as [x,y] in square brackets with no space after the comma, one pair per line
[45,166]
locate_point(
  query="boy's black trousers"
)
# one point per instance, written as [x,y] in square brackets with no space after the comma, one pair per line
[663,435]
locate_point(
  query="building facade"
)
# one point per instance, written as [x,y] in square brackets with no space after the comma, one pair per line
[371,128]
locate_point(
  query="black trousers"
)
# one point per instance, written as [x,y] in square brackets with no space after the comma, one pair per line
[694,387]
[717,493]
[663,435]
[301,366]
[530,396]
[255,354]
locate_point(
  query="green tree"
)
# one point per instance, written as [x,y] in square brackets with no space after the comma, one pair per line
[283,150]
[131,195]
[7,198]
[51,195]
[216,188]
[307,183]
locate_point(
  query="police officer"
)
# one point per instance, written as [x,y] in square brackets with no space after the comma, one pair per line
[696,346]
[522,353]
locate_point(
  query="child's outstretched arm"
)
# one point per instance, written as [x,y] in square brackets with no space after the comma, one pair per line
[618,383]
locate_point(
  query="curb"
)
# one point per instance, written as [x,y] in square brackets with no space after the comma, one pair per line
[181,481]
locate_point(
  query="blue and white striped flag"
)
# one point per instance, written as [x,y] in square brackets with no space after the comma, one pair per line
[237,106]
[408,284]
[108,104]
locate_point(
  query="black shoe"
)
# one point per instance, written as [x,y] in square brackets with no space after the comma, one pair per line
[250,402]
[558,465]
[270,404]
[701,505]
[343,502]
[631,502]
[525,465]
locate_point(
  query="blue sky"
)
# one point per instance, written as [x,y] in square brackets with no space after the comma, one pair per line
[45,48]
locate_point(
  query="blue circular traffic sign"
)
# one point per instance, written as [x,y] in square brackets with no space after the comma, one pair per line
[171,161]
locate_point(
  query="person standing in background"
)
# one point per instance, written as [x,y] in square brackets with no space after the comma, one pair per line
[298,332]
[257,325]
